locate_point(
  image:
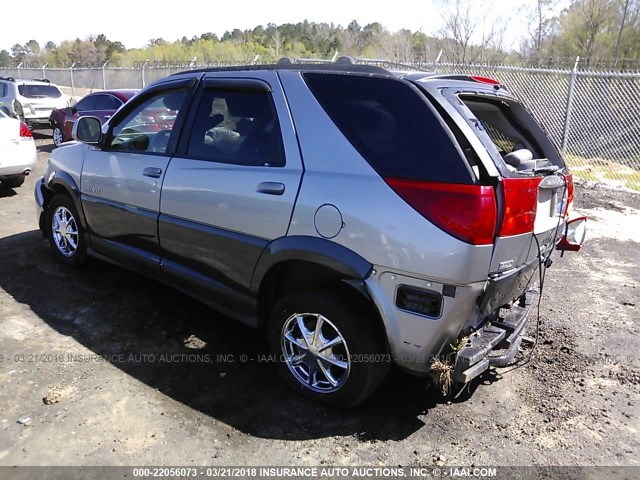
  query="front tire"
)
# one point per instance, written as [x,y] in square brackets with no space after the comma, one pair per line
[57,136]
[64,232]
[328,349]
[13,181]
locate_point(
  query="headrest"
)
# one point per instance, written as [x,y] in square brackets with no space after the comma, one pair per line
[518,157]
[173,101]
[251,105]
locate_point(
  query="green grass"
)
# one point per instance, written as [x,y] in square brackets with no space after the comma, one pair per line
[598,169]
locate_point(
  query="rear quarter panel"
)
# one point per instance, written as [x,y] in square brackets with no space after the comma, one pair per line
[377,224]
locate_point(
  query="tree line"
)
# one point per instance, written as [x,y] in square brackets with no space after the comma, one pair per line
[604,33]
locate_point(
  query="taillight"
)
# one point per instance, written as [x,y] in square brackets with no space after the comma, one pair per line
[17,108]
[520,204]
[570,193]
[467,212]
[24,131]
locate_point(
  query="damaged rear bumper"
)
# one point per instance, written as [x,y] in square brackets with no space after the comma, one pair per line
[494,345]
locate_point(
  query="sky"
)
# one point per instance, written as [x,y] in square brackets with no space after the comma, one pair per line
[134,22]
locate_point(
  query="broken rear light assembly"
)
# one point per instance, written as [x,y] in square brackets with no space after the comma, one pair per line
[574,234]
[520,197]
[467,212]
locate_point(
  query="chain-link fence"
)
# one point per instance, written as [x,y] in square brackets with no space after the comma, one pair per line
[592,117]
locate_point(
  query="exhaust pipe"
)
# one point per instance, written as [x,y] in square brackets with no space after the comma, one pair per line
[27,171]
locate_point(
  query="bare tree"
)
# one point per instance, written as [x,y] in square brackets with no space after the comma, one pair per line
[541,20]
[464,23]
[459,27]
[624,18]
[594,15]
[276,39]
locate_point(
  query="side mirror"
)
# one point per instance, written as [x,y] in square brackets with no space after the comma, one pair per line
[574,235]
[87,130]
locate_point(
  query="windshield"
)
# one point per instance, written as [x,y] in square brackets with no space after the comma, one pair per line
[39,91]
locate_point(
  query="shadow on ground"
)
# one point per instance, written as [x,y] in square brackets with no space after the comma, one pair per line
[112,312]
[6,191]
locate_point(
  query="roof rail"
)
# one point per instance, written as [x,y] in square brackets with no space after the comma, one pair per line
[8,79]
[344,65]
[44,80]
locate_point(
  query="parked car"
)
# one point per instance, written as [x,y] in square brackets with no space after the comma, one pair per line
[18,155]
[101,104]
[357,216]
[31,101]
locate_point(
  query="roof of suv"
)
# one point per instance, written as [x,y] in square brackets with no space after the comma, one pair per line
[330,67]
[23,81]
[347,65]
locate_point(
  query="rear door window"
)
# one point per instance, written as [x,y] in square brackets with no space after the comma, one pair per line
[237,127]
[392,125]
[39,91]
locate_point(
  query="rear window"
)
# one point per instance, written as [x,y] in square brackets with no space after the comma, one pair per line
[509,128]
[392,126]
[39,91]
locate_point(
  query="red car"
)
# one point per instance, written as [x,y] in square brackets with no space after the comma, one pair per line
[101,104]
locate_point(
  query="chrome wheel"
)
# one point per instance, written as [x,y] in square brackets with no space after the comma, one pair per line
[57,136]
[64,229]
[315,352]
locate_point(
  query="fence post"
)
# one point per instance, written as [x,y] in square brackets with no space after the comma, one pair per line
[104,81]
[144,65]
[43,69]
[567,117]
[437,61]
[18,68]
[73,87]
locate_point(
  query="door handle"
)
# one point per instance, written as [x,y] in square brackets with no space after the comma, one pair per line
[271,188]
[152,172]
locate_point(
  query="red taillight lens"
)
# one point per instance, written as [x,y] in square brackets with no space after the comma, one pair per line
[570,193]
[24,131]
[467,212]
[520,205]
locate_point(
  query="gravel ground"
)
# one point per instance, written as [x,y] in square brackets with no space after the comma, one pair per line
[175,390]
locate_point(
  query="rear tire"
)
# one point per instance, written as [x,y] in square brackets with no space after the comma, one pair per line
[13,181]
[339,364]
[64,232]
[57,136]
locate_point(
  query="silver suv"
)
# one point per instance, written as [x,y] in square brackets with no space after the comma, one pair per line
[357,216]
[31,101]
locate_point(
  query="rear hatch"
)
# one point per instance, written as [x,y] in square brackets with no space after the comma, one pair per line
[39,99]
[533,188]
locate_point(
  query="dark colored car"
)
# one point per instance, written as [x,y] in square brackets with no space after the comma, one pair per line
[99,104]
